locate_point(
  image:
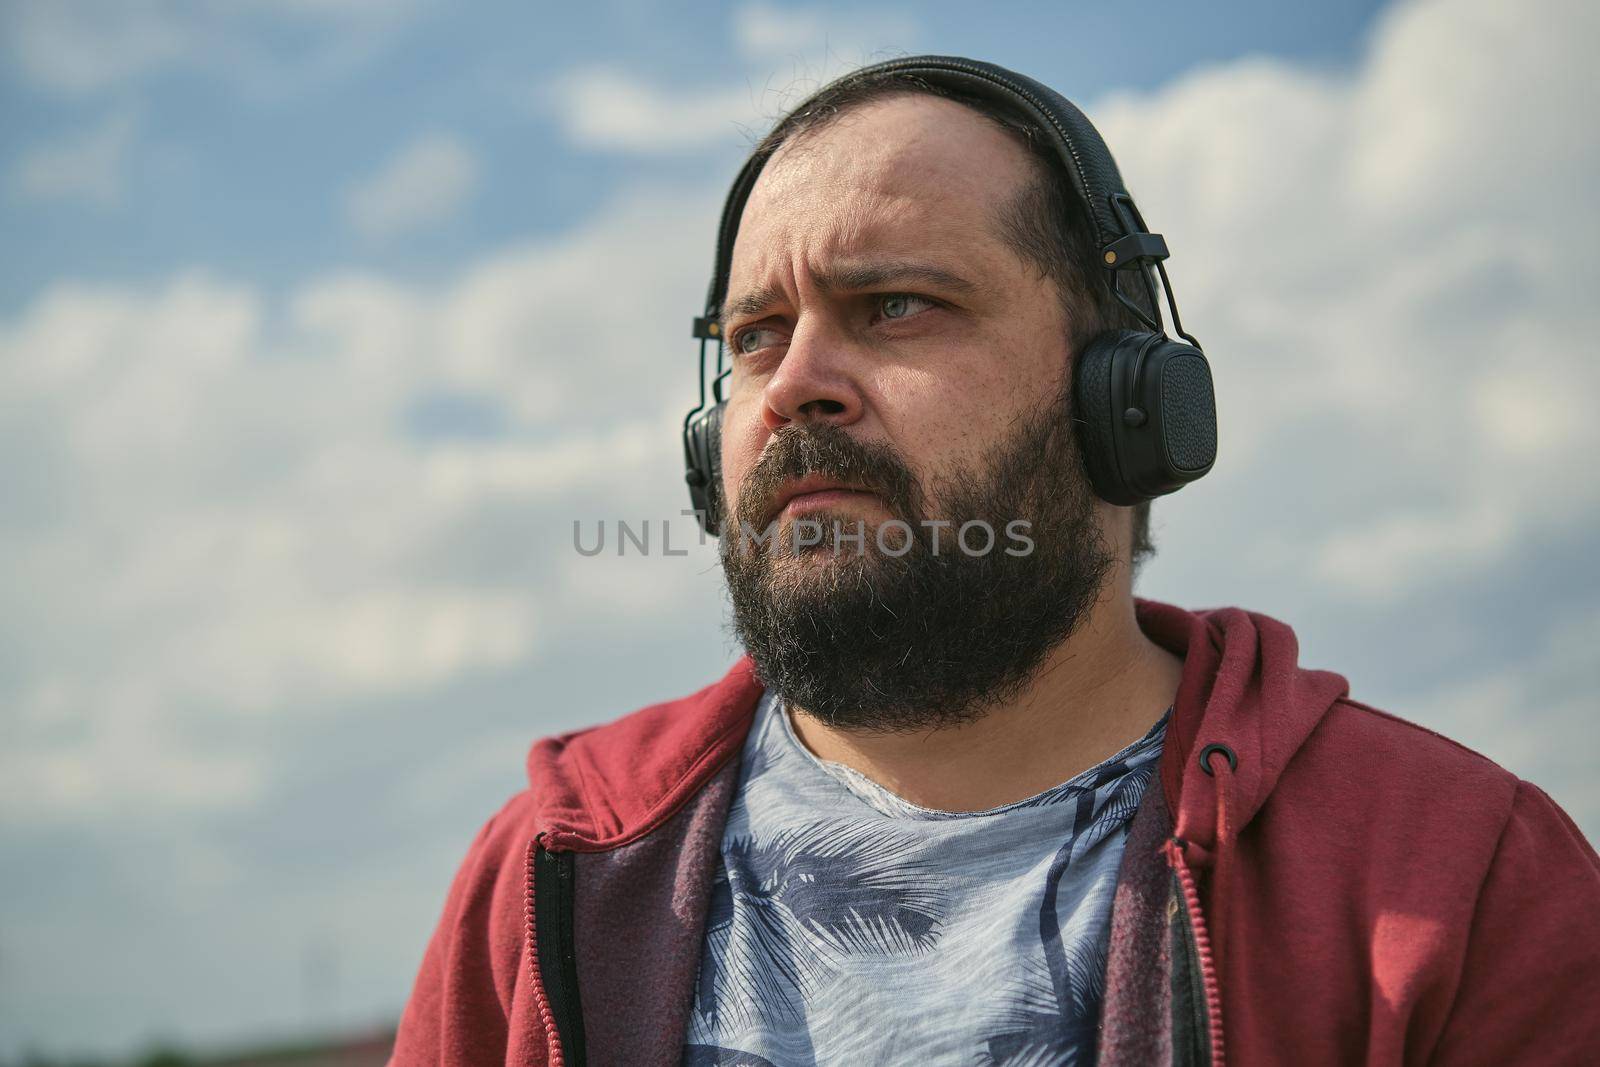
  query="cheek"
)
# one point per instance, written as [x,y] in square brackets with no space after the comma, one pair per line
[949,434]
[743,435]
[933,423]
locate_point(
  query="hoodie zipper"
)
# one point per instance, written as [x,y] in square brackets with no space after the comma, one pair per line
[552,952]
[1206,999]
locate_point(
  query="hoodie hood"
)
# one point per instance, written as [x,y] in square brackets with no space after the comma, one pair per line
[1242,687]
[603,787]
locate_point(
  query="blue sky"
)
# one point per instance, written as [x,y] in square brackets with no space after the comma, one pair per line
[321,321]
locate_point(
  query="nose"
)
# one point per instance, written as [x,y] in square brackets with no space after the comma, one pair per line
[813,381]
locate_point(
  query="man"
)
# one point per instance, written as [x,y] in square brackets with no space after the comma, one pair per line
[968,800]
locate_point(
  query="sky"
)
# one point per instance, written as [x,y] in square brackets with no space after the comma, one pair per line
[323,321]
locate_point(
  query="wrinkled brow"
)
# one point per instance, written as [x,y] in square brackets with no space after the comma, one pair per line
[850,278]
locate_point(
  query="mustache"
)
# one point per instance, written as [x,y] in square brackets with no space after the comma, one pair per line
[826,450]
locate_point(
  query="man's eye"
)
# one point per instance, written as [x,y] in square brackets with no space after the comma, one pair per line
[901,305]
[752,340]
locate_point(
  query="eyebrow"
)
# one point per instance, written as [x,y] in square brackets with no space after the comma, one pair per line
[851,278]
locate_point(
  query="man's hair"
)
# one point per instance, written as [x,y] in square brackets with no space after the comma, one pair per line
[1045,223]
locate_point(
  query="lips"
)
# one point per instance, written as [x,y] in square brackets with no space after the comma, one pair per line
[813,484]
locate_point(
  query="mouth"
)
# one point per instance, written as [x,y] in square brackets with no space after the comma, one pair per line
[814,491]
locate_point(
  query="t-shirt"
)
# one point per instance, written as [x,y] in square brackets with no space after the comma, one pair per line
[850,926]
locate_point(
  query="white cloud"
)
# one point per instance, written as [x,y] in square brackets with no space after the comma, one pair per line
[1535,715]
[425,184]
[1384,557]
[223,517]
[763,31]
[89,166]
[836,38]
[1384,266]
[77,47]
[610,109]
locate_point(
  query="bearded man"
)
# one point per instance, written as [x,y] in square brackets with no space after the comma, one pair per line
[967,799]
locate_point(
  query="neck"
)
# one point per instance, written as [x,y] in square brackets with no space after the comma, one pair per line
[1098,691]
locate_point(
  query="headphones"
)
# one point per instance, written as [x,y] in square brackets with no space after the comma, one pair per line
[1143,403]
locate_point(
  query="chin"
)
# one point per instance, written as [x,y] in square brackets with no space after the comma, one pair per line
[788,528]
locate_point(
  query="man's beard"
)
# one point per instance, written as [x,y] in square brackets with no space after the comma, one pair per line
[865,640]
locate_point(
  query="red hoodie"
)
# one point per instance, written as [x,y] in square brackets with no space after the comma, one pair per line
[1336,886]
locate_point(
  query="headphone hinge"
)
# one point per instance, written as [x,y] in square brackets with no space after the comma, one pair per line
[1134,250]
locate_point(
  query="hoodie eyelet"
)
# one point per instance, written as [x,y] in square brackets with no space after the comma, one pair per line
[1205,758]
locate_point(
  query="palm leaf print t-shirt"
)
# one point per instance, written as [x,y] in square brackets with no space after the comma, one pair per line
[850,926]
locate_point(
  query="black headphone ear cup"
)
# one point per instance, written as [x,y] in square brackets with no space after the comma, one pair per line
[702,448]
[714,450]
[1184,399]
[1146,415]
[1093,413]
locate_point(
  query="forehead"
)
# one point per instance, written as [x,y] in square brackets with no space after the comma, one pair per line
[907,174]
